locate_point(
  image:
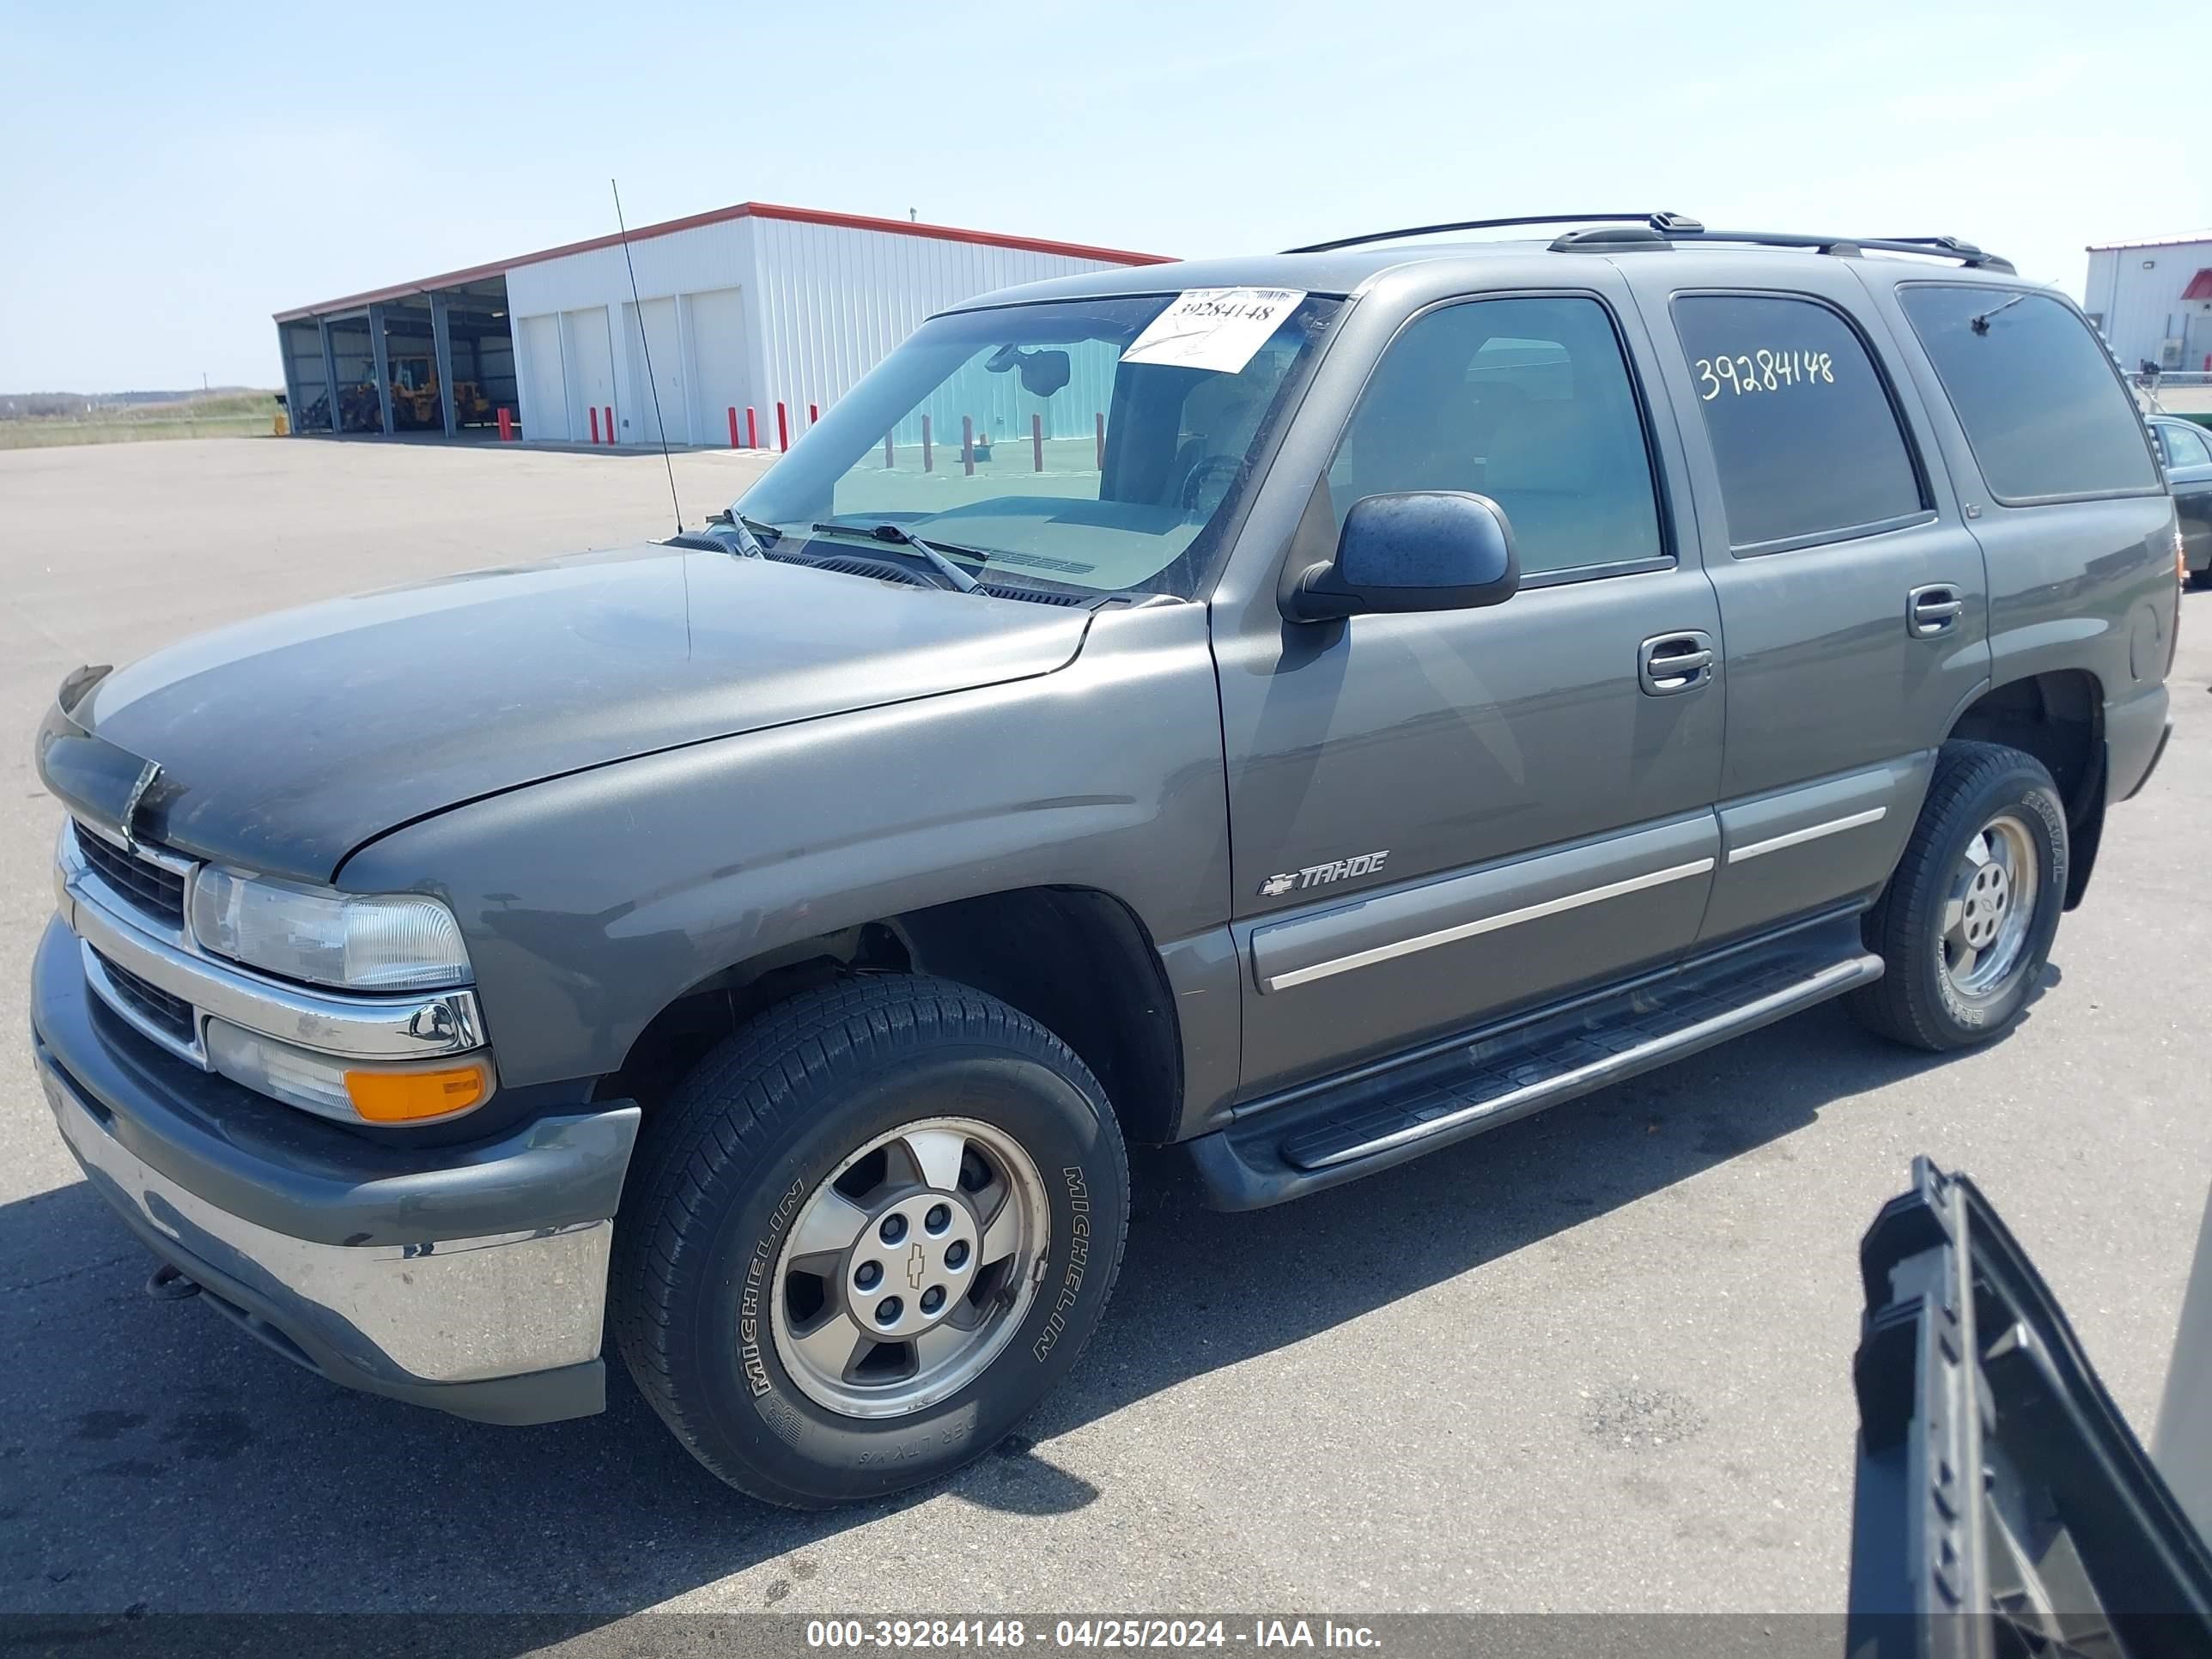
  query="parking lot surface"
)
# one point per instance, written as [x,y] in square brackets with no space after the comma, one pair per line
[1597,1360]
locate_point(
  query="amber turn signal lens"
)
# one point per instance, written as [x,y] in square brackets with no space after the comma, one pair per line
[416,1096]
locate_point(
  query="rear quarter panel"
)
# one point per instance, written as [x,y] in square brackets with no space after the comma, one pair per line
[2084,584]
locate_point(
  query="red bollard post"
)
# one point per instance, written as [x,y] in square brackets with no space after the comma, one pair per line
[782,428]
[733,426]
[1036,440]
[967,445]
[610,422]
[752,431]
[595,425]
[813,415]
[1102,443]
[889,460]
[506,426]
[927,463]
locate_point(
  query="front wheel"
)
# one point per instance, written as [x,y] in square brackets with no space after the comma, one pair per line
[1966,924]
[866,1236]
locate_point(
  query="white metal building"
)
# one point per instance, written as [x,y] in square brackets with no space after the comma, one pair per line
[740,309]
[2153,300]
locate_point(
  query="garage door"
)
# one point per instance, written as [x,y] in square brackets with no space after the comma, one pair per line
[544,396]
[656,370]
[719,367]
[591,359]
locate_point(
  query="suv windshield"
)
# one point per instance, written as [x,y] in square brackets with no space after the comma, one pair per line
[1021,442]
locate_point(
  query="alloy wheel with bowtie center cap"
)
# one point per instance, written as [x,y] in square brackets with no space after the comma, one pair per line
[905,1272]
[1992,904]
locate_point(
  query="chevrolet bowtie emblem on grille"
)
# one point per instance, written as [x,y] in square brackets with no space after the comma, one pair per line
[152,771]
[914,1260]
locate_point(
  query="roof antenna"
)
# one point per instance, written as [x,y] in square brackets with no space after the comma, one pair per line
[644,339]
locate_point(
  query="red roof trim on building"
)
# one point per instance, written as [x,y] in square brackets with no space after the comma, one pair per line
[2200,286]
[720,215]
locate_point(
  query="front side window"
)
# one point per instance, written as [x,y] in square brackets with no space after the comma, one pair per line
[2042,407]
[1020,442]
[1803,433]
[1527,401]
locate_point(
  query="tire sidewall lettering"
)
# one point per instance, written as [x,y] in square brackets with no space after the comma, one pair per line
[1077,1195]
[752,1306]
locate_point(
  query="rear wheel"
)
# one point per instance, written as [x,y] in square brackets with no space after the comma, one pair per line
[1966,924]
[865,1237]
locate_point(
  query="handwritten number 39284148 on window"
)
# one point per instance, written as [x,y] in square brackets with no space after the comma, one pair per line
[1763,371]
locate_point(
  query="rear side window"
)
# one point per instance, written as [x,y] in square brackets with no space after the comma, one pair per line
[1803,433]
[2044,410]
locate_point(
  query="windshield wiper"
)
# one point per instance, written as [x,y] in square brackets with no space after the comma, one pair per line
[953,574]
[752,536]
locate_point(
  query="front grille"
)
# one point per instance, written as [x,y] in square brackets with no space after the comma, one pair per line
[151,1003]
[157,891]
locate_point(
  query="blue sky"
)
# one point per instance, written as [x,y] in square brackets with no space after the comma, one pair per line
[171,175]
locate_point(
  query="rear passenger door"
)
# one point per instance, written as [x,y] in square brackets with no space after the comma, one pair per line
[1852,596]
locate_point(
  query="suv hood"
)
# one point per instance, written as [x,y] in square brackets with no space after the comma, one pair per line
[286,742]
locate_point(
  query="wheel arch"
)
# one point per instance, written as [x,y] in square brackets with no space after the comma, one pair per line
[1076,959]
[2058,717]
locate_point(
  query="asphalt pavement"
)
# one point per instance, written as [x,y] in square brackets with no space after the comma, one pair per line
[1598,1360]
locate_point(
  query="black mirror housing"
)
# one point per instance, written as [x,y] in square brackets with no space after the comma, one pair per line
[1428,549]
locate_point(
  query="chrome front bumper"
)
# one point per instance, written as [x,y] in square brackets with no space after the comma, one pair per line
[455,1310]
[473,1280]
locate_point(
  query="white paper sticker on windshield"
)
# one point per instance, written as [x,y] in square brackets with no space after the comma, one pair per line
[1215,328]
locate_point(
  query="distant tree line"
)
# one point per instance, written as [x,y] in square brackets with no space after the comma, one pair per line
[76,405]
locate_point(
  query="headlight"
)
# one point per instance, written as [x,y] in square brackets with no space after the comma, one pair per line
[381,942]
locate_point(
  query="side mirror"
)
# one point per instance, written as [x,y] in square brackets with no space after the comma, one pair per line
[1428,549]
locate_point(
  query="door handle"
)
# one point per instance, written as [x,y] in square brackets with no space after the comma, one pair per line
[1932,610]
[1669,663]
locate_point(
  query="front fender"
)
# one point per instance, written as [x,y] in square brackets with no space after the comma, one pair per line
[592,901]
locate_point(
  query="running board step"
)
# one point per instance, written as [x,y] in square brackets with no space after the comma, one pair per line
[1589,1055]
[1379,1120]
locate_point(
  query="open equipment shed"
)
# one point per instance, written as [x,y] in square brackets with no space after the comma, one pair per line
[739,311]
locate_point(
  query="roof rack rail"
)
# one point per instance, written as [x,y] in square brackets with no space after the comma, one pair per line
[1657,221]
[1618,240]
[1954,245]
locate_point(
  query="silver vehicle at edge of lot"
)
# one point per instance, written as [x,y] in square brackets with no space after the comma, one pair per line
[1393,688]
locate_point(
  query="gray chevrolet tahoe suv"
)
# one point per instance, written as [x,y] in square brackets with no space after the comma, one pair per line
[1316,708]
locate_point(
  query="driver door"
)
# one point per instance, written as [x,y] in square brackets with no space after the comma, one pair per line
[1439,818]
